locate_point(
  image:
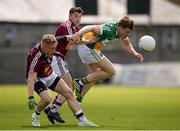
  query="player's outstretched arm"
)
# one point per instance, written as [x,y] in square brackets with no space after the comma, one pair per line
[129,48]
[89,28]
[63,38]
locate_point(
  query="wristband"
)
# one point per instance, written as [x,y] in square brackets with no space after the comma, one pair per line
[31,97]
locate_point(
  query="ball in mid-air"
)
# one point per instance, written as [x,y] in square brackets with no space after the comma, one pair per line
[147,43]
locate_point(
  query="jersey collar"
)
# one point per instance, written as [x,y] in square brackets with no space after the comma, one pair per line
[72,25]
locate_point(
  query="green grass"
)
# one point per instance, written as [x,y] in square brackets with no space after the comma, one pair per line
[111,107]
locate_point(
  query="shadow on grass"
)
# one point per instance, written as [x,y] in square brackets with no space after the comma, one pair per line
[49,126]
[63,126]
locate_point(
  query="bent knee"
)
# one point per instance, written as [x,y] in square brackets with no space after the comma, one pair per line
[47,100]
[69,93]
[112,72]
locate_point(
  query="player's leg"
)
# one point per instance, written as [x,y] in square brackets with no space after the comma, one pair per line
[60,68]
[106,70]
[96,60]
[44,101]
[67,78]
[87,56]
[62,88]
[45,96]
[60,99]
[86,88]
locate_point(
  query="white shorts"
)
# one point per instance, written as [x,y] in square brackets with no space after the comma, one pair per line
[89,55]
[42,84]
[47,81]
[59,66]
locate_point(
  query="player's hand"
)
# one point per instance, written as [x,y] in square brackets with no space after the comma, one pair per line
[31,102]
[139,56]
[75,37]
[69,37]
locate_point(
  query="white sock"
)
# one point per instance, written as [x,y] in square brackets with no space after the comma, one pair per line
[54,108]
[82,117]
[37,113]
[56,105]
[81,83]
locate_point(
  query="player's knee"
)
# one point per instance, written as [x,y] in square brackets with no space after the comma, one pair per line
[69,94]
[47,100]
[111,72]
[70,84]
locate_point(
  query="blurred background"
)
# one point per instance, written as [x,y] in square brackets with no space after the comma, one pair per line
[23,22]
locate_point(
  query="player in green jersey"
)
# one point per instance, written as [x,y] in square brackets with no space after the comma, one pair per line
[101,67]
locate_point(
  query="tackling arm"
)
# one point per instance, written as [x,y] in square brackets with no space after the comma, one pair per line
[62,38]
[89,28]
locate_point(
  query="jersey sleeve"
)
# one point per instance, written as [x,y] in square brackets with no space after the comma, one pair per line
[62,38]
[35,64]
[104,31]
[101,29]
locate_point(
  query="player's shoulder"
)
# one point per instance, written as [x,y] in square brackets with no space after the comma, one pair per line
[110,23]
[35,50]
[62,25]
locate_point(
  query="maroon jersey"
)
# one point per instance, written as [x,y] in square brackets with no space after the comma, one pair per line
[38,62]
[65,28]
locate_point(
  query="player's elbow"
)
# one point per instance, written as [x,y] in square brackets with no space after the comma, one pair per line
[111,72]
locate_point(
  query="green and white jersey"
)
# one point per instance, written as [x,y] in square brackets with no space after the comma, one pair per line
[108,31]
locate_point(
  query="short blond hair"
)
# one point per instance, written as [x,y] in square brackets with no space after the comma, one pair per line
[49,39]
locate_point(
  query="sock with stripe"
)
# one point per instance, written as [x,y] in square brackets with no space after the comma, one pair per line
[83,81]
[80,116]
[55,107]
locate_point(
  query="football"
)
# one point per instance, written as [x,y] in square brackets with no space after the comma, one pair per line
[147,43]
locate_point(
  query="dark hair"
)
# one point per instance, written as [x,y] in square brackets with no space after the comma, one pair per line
[126,23]
[76,9]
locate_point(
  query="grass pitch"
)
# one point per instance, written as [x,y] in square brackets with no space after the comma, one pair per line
[110,107]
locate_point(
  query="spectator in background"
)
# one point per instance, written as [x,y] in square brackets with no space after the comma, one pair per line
[9,36]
